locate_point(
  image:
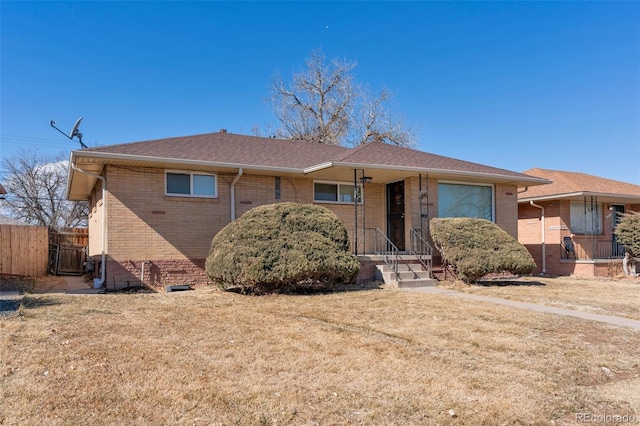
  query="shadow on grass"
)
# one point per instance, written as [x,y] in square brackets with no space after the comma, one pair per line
[311,290]
[40,301]
[508,283]
[135,289]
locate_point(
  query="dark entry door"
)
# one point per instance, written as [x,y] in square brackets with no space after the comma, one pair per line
[395,213]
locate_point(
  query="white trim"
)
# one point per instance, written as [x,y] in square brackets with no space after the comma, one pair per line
[447,172]
[317,167]
[621,197]
[338,183]
[191,174]
[179,161]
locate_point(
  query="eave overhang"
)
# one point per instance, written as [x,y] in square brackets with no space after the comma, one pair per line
[80,185]
[580,196]
[403,171]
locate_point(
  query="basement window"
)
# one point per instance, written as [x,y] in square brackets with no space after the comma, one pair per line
[189,184]
[336,192]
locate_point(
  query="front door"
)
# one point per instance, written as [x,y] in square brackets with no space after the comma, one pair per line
[395,213]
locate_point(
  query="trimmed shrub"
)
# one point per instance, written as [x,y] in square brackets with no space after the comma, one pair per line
[476,247]
[628,232]
[284,246]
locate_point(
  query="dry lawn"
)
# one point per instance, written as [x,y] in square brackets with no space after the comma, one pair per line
[374,357]
[617,297]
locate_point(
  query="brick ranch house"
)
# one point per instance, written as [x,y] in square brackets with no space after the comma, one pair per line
[572,220]
[156,205]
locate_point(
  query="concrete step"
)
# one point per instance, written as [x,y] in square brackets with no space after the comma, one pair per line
[418,282]
[402,267]
[409,275]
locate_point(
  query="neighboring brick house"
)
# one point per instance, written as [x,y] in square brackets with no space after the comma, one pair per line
[156,205]
[572,220]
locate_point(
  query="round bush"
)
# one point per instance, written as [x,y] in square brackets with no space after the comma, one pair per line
[628,232]
[477,247]
[284,246]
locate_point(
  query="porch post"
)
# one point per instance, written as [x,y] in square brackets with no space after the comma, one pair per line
[355,208]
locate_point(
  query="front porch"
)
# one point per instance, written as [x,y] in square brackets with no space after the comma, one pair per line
[382,260]
[591,249]
[591,257]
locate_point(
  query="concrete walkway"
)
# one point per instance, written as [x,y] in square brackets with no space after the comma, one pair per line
[623,322]
[77,285]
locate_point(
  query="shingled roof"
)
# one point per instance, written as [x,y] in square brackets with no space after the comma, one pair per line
[228,148]
[378,154]
[571,184]
[227,151]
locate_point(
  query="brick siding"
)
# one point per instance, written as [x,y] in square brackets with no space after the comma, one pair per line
[175,233]
[557,226]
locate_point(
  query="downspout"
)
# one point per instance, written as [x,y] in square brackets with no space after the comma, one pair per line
[233,194]
[544,254]
[99,282]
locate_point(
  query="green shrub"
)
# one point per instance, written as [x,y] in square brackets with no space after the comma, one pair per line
[628,232]
[285,246]
[477,247]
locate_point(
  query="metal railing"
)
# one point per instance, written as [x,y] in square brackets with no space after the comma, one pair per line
[421,249]
[593,250]
[374,241]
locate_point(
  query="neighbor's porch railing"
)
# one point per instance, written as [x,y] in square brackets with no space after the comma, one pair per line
[588,249]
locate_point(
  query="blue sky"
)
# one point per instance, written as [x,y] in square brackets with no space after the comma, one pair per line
[513,85]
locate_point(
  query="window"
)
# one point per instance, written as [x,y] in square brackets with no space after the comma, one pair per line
[465,200]
[335,192]
[191,184]
[586,218]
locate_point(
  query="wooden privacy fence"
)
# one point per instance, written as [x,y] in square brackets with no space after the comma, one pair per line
[24,250]
[68,251]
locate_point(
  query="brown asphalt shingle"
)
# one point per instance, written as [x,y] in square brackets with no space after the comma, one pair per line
[573,182]
[378,153]
[229,148]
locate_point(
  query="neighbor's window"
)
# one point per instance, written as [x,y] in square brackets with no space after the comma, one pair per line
[191,184]
[465,200]
[586,218]
[335,192]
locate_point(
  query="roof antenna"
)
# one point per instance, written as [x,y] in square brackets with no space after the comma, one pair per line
[75,132]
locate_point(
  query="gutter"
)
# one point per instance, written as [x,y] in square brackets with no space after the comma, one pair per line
[180,162]
[576,195]
[99,282]
[233,194]
[544,252]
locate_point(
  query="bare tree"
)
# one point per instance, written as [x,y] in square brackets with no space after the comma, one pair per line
[36,191]
[324,104]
